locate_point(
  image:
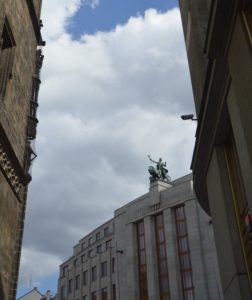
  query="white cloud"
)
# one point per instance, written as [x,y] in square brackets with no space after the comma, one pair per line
[57,15]
[92,3]
[106,101]
[40,264]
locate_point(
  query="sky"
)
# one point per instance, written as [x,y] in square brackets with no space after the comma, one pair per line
[115,82]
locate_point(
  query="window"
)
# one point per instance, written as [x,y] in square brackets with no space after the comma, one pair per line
[104,269]
[94,273]
[63,292]
[7,46]
[242,212]
[83,258]
[161,256]
[94,295]
[69,288]
[98,249]
[108,244]
[184,254]
[84,297]
[77,282]
[98,236]
[83,246]
[247,18]
[75,262]
[114,292]
[106,231]
[113,265]
[142,271]
[90,241]
[85,277]
[90,253]
[64,271]
[105,293]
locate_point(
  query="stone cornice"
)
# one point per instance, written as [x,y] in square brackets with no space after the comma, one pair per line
[35,22]
[10,166]
[212,116]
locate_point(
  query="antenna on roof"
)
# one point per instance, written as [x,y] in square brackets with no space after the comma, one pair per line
[30,281]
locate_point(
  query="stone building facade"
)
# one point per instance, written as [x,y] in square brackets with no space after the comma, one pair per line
[159,246]
[20,63]
[218,36]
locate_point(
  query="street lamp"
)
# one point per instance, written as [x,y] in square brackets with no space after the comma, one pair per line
[188,117]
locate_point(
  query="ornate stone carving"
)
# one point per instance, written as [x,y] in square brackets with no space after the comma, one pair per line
[9,170]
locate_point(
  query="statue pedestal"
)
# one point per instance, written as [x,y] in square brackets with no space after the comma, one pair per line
[155,188]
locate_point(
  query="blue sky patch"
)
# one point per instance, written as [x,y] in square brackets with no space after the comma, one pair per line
[109,13]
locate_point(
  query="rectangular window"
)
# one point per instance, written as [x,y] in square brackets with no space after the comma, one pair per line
[75,262]
[108,244]
[84,297]
[63,292]
[90,241]
[85,278]
[64,271]
[106,231]
[104,268]
[242,212]
[7,46]
[105,293]
[94,295]
[98,236]
[142,270]
[98,249]
[247,18]
[114,292]
[161,256]
[83,258]
[184,254]
[70,286]
[77,282]
[94,273]
[113,265]
[90,253]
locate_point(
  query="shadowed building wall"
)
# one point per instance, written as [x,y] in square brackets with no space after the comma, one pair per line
[218,37]
[20,63]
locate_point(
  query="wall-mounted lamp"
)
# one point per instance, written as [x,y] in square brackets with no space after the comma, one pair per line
[188,117]
[119,251]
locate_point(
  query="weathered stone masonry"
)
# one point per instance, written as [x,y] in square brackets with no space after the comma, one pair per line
[20,63]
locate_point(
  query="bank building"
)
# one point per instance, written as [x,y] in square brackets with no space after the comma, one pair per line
[158,246]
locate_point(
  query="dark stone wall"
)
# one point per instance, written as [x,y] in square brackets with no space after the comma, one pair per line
[14,107]
[37,6]
[222,91]
[14,111]
[9,235]
[195,17]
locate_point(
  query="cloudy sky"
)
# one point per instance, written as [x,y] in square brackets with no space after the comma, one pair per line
[115,81]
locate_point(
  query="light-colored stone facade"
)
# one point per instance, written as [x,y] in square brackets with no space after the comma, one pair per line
[20,62]
[115,242]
